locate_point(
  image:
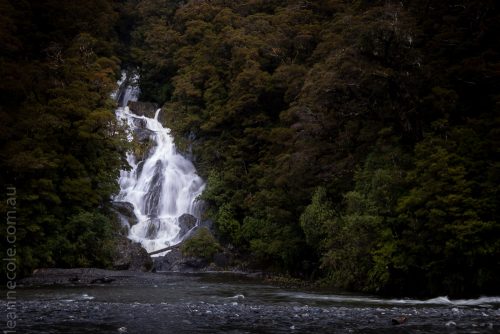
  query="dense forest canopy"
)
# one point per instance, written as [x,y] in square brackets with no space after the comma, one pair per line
[355,141]
[61,146]
[351,141]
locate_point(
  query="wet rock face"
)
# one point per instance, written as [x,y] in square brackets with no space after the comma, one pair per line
[153,195]
[147,109]
[131,256]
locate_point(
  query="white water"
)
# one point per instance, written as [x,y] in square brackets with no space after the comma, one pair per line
[162,187]
[381,301]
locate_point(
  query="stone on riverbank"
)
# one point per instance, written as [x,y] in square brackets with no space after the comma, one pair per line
[130,255]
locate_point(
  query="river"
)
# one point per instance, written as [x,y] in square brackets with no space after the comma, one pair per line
[229,303]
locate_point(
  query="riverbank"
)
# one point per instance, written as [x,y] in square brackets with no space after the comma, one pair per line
[94,276]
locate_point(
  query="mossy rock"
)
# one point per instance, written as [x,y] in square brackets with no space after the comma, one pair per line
[141,148]
[202,245]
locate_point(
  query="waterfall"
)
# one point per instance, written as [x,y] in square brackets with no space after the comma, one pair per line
[162,186]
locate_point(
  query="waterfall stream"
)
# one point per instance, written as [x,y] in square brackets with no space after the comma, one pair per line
[162,186]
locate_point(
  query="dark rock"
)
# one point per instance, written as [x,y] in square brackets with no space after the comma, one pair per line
[168,262]
[143,108]
[105,280]
[86,276]
[176,262]
[126,210]
[131,256]
[186,223]
[192,232]
[399,320]
[162,118]
[74,279]
[194,263]
[153,228]
[51,276]
[139,122]
[142,143]
[152,198]
[143,135]
[140,166]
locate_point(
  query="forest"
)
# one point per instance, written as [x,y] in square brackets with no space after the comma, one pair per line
[353,143]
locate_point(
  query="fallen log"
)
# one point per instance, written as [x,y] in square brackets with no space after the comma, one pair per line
[166,249]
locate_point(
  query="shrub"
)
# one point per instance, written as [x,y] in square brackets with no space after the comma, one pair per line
[202,244]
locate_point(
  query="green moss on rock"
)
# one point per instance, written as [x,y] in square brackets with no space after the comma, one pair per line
[202,245]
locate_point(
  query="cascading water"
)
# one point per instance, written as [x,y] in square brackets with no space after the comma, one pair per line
[162,186]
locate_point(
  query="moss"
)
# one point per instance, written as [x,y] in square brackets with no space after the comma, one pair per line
[141,148]
[202,244]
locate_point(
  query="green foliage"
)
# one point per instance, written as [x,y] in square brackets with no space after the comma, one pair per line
[445,207]
[384,114]
[227,226]
[316,219]
[61,147]
[88,240]
[202,244]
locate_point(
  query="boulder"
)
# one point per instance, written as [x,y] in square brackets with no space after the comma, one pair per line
[125,208]
[126,211]
[130,255]
[102,280]
[174,261]
[147,109]
[399,320]
[168,262]
[199,251]
[186,224]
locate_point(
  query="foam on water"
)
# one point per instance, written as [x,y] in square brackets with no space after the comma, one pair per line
[371,300]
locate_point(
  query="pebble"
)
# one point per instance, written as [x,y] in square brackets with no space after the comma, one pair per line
[197,317]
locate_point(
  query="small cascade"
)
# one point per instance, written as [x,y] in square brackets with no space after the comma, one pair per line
[161,186]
